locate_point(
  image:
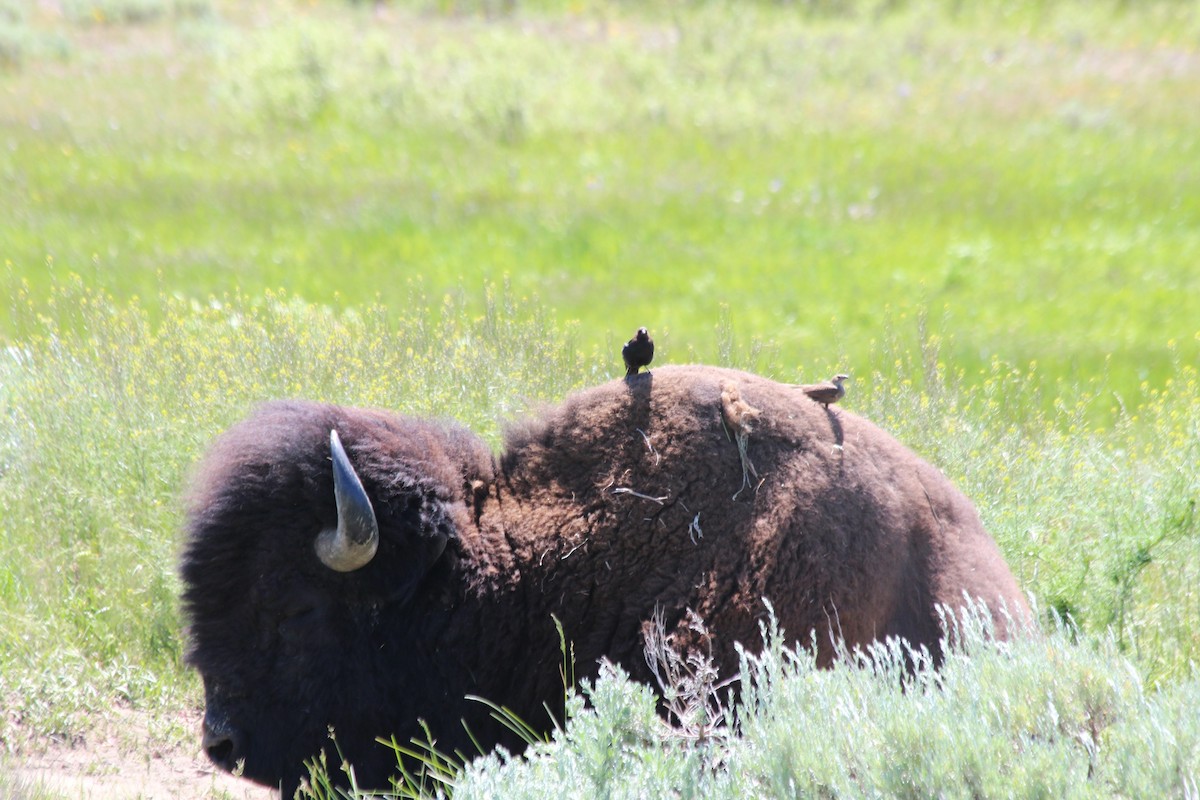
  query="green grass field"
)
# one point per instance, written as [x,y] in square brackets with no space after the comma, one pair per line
[1025,178]
[991,219]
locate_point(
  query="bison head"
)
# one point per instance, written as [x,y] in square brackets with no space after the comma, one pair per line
[296,566]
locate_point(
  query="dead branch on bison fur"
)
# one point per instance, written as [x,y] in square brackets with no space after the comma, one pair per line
[624,490]
[740,417]
[690,682]
[743,445]
[650,447]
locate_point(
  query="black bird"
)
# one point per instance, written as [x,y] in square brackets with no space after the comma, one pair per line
[638,352]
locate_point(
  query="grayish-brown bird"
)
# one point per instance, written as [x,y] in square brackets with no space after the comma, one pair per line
[638,352]
[826,393]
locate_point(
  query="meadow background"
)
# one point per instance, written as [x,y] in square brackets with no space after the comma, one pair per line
[988,214]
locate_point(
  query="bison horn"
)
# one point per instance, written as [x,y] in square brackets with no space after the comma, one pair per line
[352,544]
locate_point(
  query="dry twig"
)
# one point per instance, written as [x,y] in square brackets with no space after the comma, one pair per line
[649,446]
[639,495]
[690,682]
[740,417]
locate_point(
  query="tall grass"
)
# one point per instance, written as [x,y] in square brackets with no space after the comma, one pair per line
[1026,168]
[104,412]
[987,214]
[123,12]
[1036,717]
[1099,520]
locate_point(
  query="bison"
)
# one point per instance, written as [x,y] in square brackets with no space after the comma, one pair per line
[366,572]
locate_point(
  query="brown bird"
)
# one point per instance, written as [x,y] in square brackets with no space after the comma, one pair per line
[638,352]
[826,393]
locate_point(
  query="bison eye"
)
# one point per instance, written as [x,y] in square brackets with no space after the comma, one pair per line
[298,624]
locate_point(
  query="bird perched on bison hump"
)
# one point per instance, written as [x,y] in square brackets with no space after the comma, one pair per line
[364,571]
[638,352]
[826,393]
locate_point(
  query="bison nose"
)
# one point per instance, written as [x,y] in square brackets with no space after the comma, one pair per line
[224,744]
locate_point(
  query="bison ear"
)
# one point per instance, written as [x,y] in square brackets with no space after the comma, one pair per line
[352,544]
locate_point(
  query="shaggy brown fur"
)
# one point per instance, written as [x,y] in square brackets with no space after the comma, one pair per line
[862,541]
[691,488]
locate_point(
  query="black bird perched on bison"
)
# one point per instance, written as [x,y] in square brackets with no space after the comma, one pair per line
[638,352]
[367,572]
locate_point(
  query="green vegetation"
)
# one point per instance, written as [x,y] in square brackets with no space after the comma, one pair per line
[100,430]
[1025,174]
[103,425]
[990,218]
[1047,719]
[18,789]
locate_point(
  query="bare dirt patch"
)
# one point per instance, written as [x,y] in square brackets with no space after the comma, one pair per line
[122,759]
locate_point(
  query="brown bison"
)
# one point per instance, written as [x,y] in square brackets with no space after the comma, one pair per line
[364,571]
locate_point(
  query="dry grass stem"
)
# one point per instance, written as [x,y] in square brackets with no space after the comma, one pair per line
[740,417]
[690,682]
[649,446]
[639,495]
